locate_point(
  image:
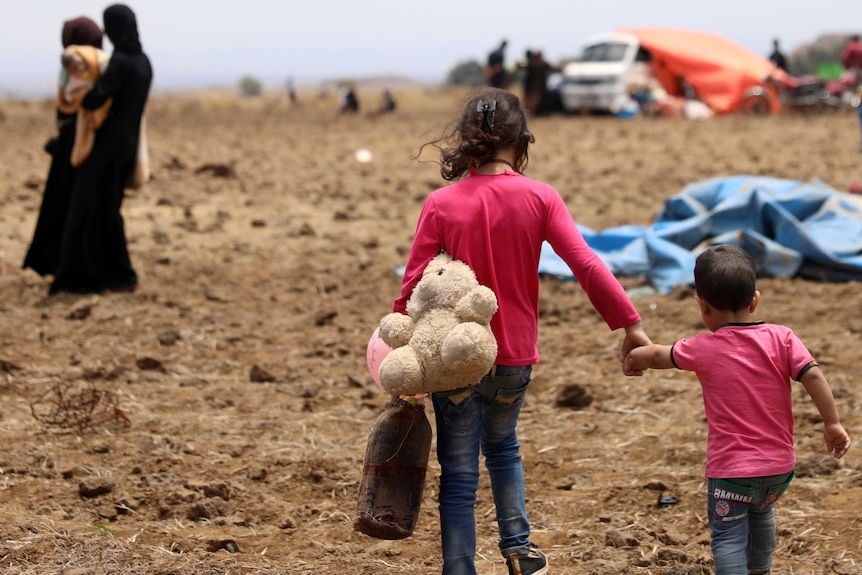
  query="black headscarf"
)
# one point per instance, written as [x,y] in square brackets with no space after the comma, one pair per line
[81,31]
[121,26]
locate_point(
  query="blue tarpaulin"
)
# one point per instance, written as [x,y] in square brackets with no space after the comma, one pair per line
[791,229]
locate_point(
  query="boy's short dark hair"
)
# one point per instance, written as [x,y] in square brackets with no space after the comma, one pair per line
[724,277]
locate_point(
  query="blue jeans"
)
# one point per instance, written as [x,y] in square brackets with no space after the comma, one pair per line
[483,416]
[742,522]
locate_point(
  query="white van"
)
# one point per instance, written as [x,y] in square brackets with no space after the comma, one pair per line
[600,79]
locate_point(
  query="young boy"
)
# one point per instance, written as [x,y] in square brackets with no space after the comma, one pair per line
[744,367]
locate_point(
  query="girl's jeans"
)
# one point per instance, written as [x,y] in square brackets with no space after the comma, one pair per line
[742,522]
[484,415]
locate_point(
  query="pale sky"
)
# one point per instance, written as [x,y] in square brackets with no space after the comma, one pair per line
[215,42]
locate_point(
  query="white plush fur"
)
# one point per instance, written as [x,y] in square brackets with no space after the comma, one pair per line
[445,341]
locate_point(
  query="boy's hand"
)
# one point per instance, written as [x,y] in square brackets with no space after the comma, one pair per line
[631,363]
[837,440]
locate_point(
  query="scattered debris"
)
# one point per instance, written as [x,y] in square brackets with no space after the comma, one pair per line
[80,409]
[665,500]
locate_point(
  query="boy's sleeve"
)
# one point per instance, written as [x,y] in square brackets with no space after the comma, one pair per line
[682,354]
[798,357]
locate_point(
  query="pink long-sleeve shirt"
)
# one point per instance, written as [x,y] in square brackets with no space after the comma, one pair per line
[496,224]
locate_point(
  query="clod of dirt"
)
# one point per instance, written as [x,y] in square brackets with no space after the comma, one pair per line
[175,164]
[260,375]
[80,312]
[217,170]
[8,366]
[324,317]
[617,539]
[574,396]
[169,337]
[207,509]
[149,364]
[95,486]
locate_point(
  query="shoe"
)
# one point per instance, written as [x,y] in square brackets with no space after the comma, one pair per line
[533,563]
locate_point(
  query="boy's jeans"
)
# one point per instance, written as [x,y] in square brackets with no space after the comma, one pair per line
[742,522]
[484,415]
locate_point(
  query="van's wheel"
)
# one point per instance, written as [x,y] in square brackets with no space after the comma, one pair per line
[756,102]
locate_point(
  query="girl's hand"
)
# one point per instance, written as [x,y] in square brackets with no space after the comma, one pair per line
[635,337]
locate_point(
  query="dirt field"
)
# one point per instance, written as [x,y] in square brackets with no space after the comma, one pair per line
[266,254]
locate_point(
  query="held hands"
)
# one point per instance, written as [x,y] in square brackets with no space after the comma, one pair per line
[635,337]
[634,363]
[837,440]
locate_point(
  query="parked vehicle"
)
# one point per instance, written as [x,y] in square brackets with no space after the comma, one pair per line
[691,66]
[806,94]
[602,78]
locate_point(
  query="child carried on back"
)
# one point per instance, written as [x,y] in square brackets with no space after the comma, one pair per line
[82,66]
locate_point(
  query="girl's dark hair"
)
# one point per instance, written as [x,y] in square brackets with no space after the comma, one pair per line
[492,119]
[724,277]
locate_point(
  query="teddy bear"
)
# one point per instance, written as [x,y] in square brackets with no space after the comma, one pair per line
[445,340]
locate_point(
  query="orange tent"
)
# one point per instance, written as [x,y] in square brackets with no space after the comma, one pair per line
[719,70]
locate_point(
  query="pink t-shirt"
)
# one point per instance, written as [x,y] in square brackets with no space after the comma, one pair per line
[745,372]
[496,224]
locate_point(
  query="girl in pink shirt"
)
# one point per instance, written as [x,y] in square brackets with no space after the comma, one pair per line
[745,368]
[495,219]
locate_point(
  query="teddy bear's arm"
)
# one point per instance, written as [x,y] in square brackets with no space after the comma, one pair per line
[396,329]
[479,305]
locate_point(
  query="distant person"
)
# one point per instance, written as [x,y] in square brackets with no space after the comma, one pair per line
[44,252]
[859,112]
[778,58]
[746,369]
[291,91]
[387,103]
[851,58]
[536,70]
[94,257]
[495,70]
[349,101]
[686,88]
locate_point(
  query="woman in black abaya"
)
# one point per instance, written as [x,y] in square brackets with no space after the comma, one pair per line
[93,255]
[44,251]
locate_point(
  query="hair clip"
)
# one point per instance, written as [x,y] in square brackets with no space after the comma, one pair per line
[487,109]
